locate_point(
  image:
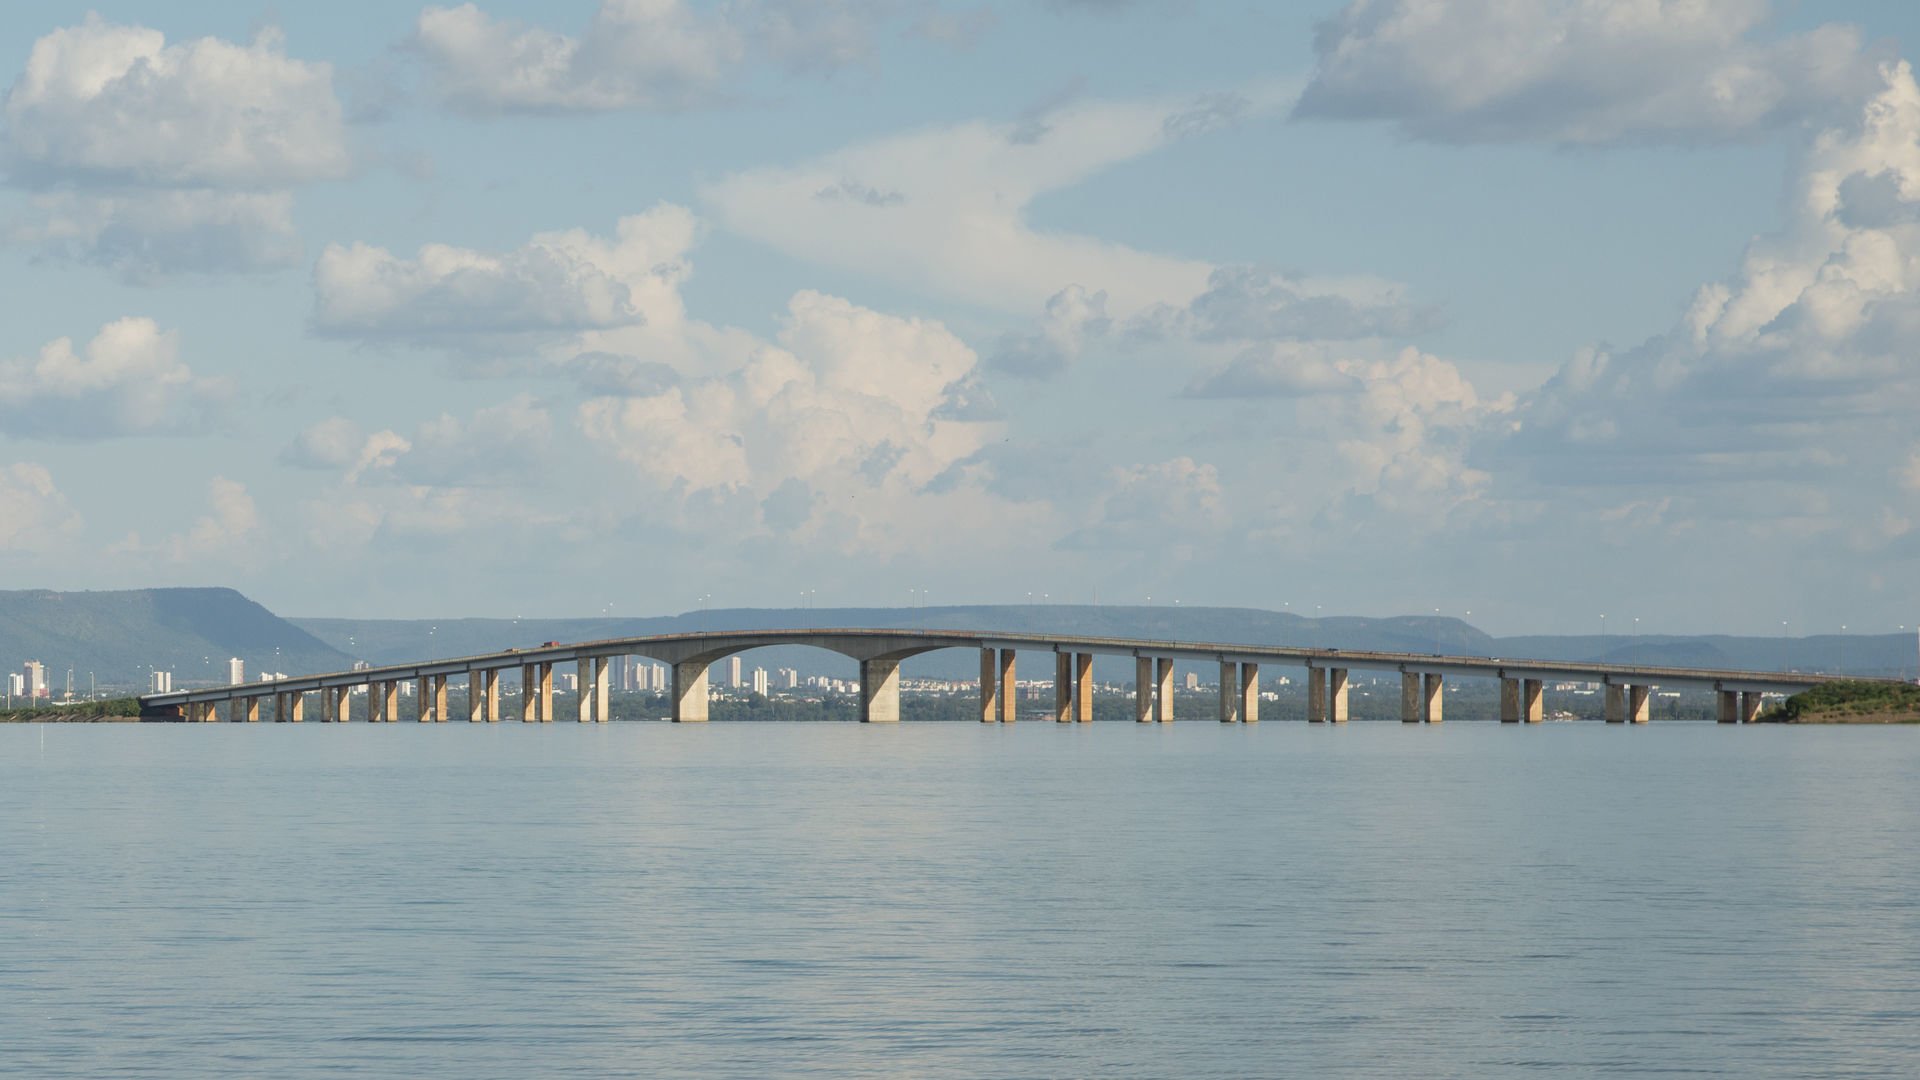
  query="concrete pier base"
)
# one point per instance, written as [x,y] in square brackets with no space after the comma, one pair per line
[1433,697]
[1509,701]
[529,694]
[1532,707]
[1615,706]
[1249,693]
[1316,695]
[1229,692]
[296,708]
[879,691]
[583,684]
[1637,704]
[1063,687]
[1337,695]
[1143,690]
[1729,706]
[1009,688]
[690,692]
[1163,689]
[1083,688]
[1411,698]
[546,692]
[1749,706]
[602,691]
[989,687]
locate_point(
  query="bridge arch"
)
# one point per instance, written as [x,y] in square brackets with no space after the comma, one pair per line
[879,657]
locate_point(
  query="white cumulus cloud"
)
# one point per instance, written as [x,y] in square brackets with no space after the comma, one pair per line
[1579,71]
[37,516]
[128,380]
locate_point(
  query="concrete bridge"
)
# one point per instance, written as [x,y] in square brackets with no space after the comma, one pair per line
[880,652]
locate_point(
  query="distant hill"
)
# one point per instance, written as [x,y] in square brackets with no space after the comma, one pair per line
[120,636]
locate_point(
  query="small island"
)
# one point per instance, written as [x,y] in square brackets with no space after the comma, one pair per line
[1850,703]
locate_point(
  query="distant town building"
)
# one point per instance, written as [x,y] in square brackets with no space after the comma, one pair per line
[1193,680]
[35,677]
[236,671]
[760,681]
[566,681]
[16,684]
[733,673]
[160,682]
[789,678]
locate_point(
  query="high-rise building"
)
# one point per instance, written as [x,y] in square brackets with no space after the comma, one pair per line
[236,671]
[1193,680]
[160,682]
[790,678]
[35,677]
[760,681]
[733,672]
[16,684]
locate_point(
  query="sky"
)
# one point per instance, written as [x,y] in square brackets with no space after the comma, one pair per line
[1559,316]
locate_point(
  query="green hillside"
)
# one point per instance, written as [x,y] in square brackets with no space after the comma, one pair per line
[120,636]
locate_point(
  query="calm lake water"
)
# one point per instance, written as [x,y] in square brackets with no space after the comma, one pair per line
[958,900]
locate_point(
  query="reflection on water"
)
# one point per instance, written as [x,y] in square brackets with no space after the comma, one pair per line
[958,900]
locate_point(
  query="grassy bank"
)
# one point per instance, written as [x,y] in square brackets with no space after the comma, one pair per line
[112,710]
[1852,703]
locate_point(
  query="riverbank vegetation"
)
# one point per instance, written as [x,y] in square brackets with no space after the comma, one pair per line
[1851,703]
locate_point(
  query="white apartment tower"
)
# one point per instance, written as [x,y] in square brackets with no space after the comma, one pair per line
[760,681]
[733,673]
[160,682]
[35,678]
[236,671]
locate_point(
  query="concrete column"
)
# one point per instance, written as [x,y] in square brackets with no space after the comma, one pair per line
[1316,695]
[1749,706]
[1249,693]
[1433,702]
[279,708]
[1412,701]
[476,696]
[1337,695]
[1143,690]
[1729,706]
[583,684]
[1083,688]
[390,702]
[248,709]
[1531,708]
[989,687]
[491,679]
[439,699]
[1509,701]
[879,691]
[376,702]
[529,693]
[329,705]
[1163,688]
[546,692]
[602,691]
[1616,703]
[1063,687]
[1009,688]
[1229,692]
[342,704]
[690,692]
[1637,710]
[299,709]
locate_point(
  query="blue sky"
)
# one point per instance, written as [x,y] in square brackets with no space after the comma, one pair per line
[1538,311]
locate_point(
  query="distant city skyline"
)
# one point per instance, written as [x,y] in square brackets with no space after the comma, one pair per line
[1546,316]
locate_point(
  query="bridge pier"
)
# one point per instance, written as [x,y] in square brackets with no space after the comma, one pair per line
[296,708]
[1163,688]
[1249,693]
[546,692]
[336,704]
[1143,689]
[989,687]
[690,692]
[1509,700]
[1316,695]
[1532,708]
[1009,688]
[602,696]
[1615,706]
[879,691]
[1729,702]
[1433,697]
[1063,687]
[1337,695]
[529,694]
[1229,692]
[1411,697]
[583,683]
[1749,706]
[438,697]
[246,710]
[1637,710]
[1083,688]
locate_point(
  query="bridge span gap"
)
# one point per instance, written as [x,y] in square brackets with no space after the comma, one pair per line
[1626,689]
